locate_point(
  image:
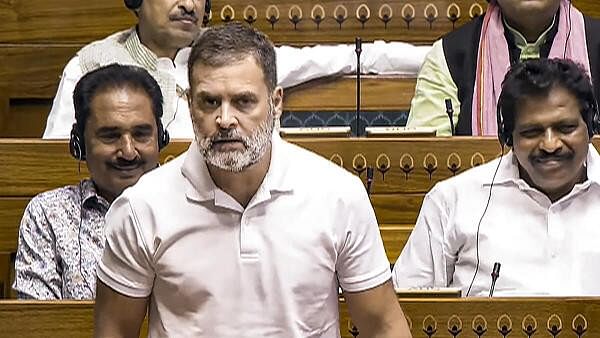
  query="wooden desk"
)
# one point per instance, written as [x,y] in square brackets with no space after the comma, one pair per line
[497,318]
[438,318]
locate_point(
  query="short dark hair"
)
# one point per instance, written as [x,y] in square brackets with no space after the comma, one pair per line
[221,45]
[536,78]
[114,76]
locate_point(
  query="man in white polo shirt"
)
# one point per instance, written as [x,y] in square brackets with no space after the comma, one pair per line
[535,211]
[244,235]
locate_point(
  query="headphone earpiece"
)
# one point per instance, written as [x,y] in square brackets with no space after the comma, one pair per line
[163,136]
[76,144]
[133,4]
[206,18]
[503,135]
[591,111]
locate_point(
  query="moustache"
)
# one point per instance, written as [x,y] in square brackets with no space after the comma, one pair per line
[124,163]
[546,157]
[228,136]
[189,16]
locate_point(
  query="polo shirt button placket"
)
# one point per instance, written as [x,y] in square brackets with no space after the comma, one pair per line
[247,240]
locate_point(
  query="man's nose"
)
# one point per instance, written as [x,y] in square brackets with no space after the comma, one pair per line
[189,6]
[127,150]
[551,141]
[226,119]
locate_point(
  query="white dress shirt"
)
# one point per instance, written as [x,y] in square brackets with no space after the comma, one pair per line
[544,248]
[213,268]
[294,66]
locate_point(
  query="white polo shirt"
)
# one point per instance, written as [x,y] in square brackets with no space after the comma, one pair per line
[215,269]
[544,248]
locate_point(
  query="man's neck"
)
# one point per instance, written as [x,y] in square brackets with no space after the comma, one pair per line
[159,49]
[559,193]
[242,186]
[533,27]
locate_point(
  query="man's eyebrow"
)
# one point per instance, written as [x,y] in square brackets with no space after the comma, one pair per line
[107,130]
[245,95]
[529,125]
[143,127]
[204,94]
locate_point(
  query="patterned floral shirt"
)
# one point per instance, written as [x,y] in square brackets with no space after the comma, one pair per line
[60,240]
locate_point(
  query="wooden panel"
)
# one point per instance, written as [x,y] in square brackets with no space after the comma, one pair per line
[45,319]
[575,317]
[25,75]
[397,208]
[63,21]
[413,165]
[25,118]
[541,314]
[11,212]
[589,7]
[31,166]
[306,31]
[42,319]
[378,93]
[72,21]
[6,267]
[394,238]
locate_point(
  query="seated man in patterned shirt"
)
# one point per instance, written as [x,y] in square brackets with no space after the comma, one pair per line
[118,132]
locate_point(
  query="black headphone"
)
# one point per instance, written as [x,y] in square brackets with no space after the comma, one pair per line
[589,109]
[135,4]
[77,142]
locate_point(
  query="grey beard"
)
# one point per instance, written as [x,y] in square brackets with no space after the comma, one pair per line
[255,147]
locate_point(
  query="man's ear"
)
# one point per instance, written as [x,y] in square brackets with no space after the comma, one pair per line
[277,101]
[188,96]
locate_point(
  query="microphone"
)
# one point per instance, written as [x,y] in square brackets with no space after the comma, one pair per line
[450,112]
[495,275]
[369,180]
[358,50]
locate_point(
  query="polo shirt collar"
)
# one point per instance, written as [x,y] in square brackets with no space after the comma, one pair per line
[203,188]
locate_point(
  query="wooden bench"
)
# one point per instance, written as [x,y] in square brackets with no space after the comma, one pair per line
[38,37]
[474,317]
[405,170]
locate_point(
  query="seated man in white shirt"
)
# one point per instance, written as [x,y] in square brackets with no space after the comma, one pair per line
[534,210]
[160,43]
[244,235]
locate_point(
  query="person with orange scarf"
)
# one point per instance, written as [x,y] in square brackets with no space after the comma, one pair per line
[467,66]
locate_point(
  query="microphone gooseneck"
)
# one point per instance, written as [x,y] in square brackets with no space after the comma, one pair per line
[369,180]
[450,112]
[495,275]
[358,50]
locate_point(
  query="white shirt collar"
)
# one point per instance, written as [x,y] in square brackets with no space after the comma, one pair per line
[203,188]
